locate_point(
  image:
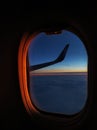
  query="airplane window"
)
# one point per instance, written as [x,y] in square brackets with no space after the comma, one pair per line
[58,72]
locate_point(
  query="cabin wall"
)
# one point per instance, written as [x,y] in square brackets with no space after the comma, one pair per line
[12,111]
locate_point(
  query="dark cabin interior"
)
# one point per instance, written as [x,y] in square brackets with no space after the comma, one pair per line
[14,22]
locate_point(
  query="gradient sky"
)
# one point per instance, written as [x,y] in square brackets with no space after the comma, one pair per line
[46,48]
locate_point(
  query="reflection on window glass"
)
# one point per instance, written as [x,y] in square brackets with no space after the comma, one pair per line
[58,73]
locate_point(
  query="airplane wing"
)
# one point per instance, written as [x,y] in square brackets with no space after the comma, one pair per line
[58,59]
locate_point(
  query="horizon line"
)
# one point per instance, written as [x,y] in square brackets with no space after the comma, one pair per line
[58,73]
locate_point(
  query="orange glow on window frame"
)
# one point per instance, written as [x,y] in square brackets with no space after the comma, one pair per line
[22,71]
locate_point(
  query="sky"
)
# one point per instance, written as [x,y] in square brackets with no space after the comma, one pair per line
[46,48]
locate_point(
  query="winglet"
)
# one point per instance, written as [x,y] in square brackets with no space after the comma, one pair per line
[62,54]
[59,59]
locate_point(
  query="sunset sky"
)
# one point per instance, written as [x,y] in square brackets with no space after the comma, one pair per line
[46,48]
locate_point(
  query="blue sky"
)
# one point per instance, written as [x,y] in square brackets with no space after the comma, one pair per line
[45,48]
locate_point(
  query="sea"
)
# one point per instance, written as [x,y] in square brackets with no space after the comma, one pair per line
[59,93]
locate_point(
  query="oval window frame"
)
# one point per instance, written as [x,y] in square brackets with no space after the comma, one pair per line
[22,67]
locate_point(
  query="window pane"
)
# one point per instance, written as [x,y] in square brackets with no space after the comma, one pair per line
[58,73]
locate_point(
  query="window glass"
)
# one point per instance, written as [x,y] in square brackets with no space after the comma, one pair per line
[58,72]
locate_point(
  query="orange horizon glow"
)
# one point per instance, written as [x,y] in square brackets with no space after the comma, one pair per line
[58,71]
